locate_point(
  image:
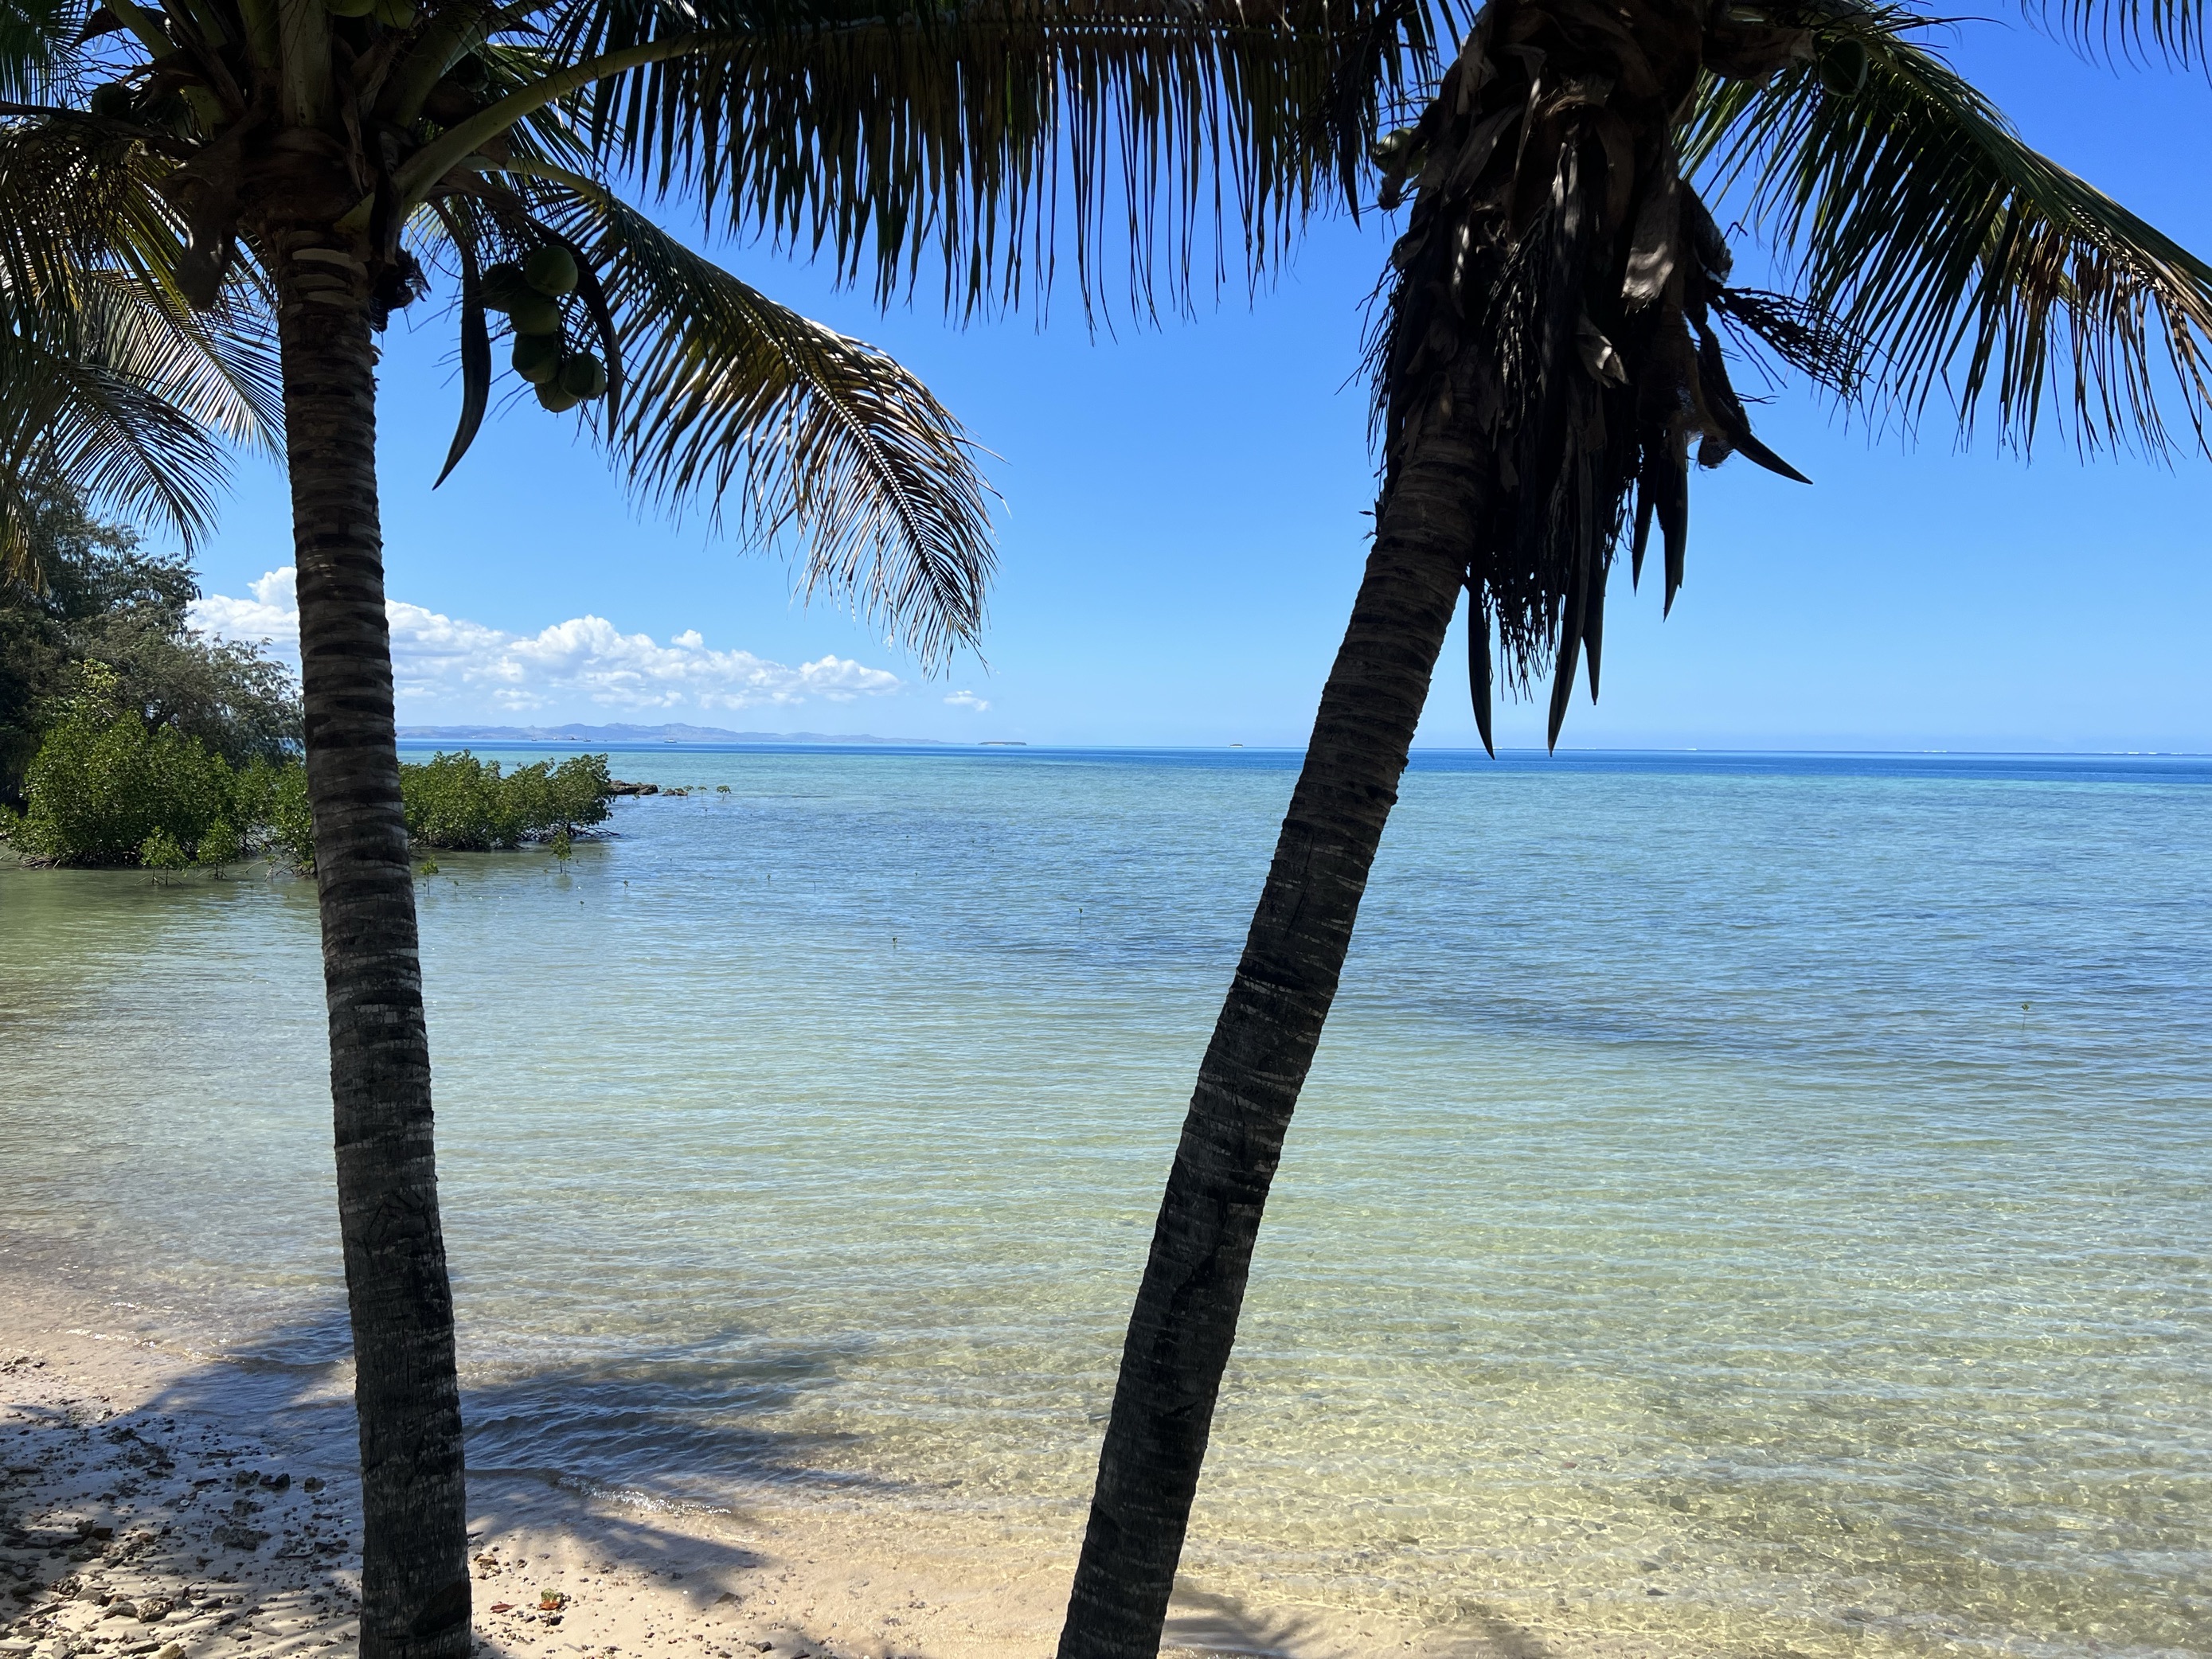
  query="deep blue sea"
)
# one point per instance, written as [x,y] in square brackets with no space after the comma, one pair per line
[1752,1206]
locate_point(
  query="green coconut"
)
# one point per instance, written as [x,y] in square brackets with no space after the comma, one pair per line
[584,375]
[470,72]
[503,284]
[393,14]
[348,8]
[532,312]
[112,101]
[538,357]
[552,271]
[555,400]
[1844,64]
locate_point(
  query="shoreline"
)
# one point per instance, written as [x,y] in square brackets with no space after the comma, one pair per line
[152,1507]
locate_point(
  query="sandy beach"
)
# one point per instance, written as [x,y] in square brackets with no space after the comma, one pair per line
[152,1508]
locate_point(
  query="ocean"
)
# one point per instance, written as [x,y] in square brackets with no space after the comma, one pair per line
[1752,1206]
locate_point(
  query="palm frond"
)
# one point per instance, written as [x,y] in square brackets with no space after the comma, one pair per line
[1964,260]
[69,412]
[2130,29]
[108,378]
[970,140]
[731,400]
[35,40]
[219,369]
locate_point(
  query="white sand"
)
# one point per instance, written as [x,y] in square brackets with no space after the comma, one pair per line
[146,1510]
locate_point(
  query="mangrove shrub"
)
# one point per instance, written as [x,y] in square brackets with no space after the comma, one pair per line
[109,790]
[106,788]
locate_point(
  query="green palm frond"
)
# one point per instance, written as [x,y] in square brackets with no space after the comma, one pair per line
[35,40]
[86,397]
[218,368]
[2174,29]
[1967,262]
[109,379]
[970,138]
[727,399]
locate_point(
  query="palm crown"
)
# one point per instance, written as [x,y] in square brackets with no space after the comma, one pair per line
[1561,265]
[156,159]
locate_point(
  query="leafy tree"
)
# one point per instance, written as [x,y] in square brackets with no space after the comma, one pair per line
[1551,355]
[299,169]
[94,595]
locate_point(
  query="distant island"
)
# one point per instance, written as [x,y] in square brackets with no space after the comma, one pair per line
[627,734]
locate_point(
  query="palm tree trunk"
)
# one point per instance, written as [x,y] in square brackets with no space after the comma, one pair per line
[1185,1319]
[415,1584]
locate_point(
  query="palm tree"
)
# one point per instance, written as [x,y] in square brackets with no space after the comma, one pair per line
[306,164]
[1551,349]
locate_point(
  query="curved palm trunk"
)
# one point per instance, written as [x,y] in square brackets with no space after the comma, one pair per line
[1185,1319]
[414,1585]
[1550,358]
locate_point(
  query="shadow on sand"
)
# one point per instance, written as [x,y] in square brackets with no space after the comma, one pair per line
[230,1497]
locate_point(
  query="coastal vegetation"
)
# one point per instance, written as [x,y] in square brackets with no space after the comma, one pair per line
[108,788]
[1550,358]
[129,737]
[90,621]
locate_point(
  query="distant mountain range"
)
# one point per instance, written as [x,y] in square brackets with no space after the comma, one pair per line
[629,734]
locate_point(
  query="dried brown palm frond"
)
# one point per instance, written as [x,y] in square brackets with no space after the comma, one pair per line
[1556,288]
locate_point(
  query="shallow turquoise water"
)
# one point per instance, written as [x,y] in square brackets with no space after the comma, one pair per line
[1756,1205]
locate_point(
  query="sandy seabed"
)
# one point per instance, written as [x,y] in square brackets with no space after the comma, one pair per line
[152,1507]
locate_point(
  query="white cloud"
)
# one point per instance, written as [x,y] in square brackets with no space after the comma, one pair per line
[967,700]
[444,662]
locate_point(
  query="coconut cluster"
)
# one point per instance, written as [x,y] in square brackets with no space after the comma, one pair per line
[149,106]
[532,295]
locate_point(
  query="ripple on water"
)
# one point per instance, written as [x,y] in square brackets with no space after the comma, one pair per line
[1754,1208]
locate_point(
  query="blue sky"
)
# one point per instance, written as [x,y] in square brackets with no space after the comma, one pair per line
[1183,527]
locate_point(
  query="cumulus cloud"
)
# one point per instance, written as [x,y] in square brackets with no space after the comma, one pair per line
[442,662]
[967,700]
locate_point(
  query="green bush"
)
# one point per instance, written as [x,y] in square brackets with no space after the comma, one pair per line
[101,790]
[161,852]
[465,805]
[106,789]
[271,802]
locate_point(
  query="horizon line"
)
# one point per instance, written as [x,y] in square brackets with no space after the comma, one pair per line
[827,740]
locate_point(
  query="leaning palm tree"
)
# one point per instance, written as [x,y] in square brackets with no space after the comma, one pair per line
[318,163]
[1552,353]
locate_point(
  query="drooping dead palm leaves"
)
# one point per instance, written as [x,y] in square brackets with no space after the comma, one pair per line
[1561,278]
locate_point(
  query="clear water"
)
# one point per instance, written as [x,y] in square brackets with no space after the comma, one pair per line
[1750,1207]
